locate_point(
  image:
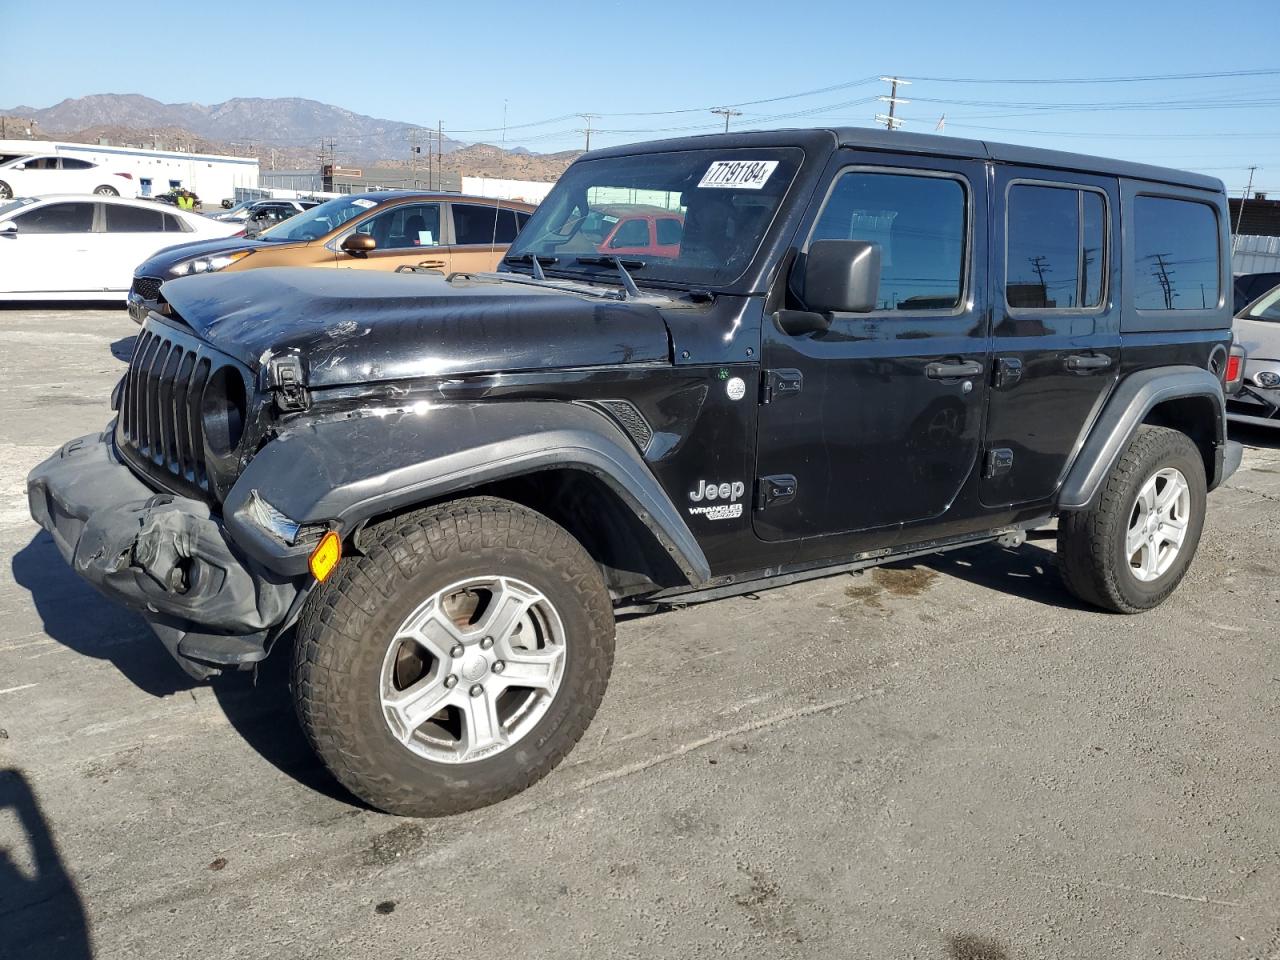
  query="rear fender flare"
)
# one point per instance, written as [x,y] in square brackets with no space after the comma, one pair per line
[1127,409]
[343,472]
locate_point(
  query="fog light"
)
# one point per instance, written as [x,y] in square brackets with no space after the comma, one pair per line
[325,556]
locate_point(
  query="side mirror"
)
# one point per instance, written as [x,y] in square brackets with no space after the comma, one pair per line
[842,276]
[8,229]
[359,244]
[19,166]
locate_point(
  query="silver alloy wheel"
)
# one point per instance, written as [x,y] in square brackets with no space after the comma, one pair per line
[105,191]
[473,669]
[1158,524]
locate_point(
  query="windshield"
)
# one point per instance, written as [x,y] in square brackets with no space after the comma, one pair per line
[695,217]
[1267,308]
[316,222]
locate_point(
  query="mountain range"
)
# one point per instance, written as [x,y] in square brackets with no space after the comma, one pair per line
[285,132]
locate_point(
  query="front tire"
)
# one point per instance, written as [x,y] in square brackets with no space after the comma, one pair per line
[6,191]
[105,191]
[1131,548]
[457,661]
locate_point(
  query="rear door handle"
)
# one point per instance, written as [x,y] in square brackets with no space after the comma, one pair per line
[953,371]
[1080,361]
[431,263]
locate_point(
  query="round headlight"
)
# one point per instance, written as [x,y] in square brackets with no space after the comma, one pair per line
[223,411]
[1267,378]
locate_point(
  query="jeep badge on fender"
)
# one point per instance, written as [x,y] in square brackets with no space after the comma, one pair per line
[433,492]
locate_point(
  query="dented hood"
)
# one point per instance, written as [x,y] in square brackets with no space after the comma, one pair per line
[354,326]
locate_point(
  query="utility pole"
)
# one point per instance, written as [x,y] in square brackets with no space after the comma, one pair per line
[1163,276]
[890,120]
[588,117]
[504,122]
[440,154]
[414,150]
[726,112]
[1041,267]
[1240,212]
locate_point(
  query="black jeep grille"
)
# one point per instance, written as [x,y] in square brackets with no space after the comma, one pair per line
[148,288]
[163,408]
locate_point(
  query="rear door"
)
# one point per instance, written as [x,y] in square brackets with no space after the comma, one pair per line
[130,235]
[52,251]
[481,235]
[1056,346]
[876,421]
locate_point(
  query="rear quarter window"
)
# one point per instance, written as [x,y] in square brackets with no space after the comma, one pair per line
[1176,251]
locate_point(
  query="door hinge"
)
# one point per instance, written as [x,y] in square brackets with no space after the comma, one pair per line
[287,381]
[1008,372]
[780,384]
[776,489]
[999,461]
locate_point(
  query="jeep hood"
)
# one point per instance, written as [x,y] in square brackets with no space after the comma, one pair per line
[357,326]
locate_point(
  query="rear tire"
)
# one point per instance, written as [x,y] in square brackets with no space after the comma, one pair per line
[385,643]
[105,191]
[1131,548]
[6,191]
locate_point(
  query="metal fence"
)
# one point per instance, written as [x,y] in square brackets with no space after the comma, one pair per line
[1251,254]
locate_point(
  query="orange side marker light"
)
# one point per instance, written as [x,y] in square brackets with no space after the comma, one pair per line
[325,557]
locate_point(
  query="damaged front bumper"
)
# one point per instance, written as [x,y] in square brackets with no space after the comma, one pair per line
[167,557]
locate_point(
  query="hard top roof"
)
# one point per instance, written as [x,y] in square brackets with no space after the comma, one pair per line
[865,138]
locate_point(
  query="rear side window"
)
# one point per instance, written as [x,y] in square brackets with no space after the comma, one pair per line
[1056,248]
[122,219]
[69,163]
[1175,254]
[919,224]
[474,224]
[669,231]
[57,218]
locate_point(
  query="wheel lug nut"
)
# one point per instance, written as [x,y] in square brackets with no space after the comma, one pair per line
[451,681]
[457,651]
[486,643]
[498,666]
[476,689]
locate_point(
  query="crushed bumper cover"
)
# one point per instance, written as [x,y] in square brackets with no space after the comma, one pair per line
[167,557]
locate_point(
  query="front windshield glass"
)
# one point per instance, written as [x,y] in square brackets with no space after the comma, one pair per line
[695,217]
[316,222]
[1268,308]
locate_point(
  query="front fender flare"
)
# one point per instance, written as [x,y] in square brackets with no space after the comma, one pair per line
[1135,397]
[345,471]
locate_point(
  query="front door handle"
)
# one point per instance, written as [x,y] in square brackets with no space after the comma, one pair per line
[953,371]
[1082,361]
[431,264]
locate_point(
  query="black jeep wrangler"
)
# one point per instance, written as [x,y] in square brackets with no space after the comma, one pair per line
[707,366]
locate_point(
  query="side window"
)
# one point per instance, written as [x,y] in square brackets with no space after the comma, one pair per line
[669,231]
[474,224]
[1175,254]
[521,219]
[632,233]
[57,218]
[919,223]
[122,219]
[506,226]
[42,163]
[405,227]
[173,225]
[71,163]
[1055,251]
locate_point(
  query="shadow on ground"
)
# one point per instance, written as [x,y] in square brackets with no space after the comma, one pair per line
[41,914]
[258,705]
[1029,571]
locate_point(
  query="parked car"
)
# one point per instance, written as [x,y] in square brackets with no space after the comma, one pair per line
[367,231]
[268,211]
[871,346]
[45,174]
[1248,287]
[1257,330]
[633,230]
[85,247]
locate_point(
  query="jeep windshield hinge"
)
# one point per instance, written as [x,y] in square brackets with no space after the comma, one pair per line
[287,382]
[780,384]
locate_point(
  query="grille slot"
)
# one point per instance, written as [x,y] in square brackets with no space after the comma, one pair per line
[161,428]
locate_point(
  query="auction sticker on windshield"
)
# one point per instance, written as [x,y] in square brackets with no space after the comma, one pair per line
[738,174]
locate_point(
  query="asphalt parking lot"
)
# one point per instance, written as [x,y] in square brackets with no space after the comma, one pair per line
[943,760]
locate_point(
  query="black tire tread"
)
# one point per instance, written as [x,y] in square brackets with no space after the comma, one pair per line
[333,627]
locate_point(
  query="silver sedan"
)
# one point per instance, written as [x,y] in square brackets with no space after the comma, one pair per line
[1257,329]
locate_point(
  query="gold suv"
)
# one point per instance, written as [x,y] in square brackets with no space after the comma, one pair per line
[365,231]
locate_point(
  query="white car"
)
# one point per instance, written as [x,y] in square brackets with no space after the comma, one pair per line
[85,247]
[42,174]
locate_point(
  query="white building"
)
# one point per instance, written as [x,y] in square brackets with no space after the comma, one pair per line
[209,176]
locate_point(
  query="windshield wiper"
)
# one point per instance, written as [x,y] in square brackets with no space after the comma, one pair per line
[619,264]
[535,260]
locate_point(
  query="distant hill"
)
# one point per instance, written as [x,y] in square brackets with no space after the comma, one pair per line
[282,132]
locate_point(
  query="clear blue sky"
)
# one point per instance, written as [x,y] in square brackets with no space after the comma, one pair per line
[421,62]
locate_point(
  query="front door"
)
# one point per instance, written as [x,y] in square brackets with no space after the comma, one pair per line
[878,419]
[408,234]
[54,249]
[1056,346]
[481,235]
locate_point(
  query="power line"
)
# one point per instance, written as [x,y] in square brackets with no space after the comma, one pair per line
[1266,72]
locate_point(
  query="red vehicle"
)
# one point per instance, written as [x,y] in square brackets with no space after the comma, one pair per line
[629,230]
